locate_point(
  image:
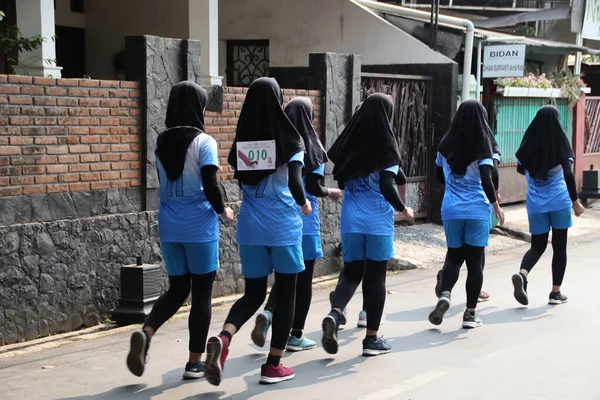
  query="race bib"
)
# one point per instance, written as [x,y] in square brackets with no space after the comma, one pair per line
[256,156]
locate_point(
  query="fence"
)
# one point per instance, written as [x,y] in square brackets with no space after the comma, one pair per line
[592,125]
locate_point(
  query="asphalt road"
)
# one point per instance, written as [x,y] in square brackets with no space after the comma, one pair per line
[520,353]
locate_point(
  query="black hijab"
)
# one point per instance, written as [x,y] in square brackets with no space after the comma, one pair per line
[545,144]
[367,144]
[468,139]
[262,118]
[301,114]
[185,121]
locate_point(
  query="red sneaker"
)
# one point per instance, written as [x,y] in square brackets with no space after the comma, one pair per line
[483,296]
[217,349]
[270,374]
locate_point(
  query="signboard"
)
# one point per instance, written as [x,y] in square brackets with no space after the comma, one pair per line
[502,61]
[591,20]
[253,156]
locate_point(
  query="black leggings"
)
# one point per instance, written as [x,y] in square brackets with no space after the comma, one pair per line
[254,296]
[303,296]
[475,258]
[559,257]
[169,302]
[373,275]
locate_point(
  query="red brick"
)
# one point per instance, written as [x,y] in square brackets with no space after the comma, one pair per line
[121,94]
[129,139]
[130,85]
[111,157]
[135,147]
[4,181]
[134,94]
[119,165]
[234,90]
[95,176]
[129,121]
[79,130]
[9,150]
[100,148]
[134,130]
[77,187]
[89,103]
[100,185]
[119,112]
[68,140]
[16,140]
[134,112]
[10,171]
[68,178]
[32,111]
[130,103]
[67,82]
[111,139]
[109,84]
[57,169]
[79,167]
[103,166]
[112,103]
[34,150]
[120,147]
[22,160]
[90,158]
[21,180]
[227,129]
[110,121]
[21,120]
[129,174]
[34,169]
[11,89]
[134,165]
[46,140]
[40,80]
[79,92]
[67,121]
[3,78]
[10,110]
[137,182]
[89,83]
[79,148]
[70,159]
[46,179]
[100,112]
[104,93]
[89,121]
[223,153]
[79,112]
[10,191]
[38,189]
[56,111]
[102,130]
[211,129]
[69,102]
[44,101]
[20,79]
[57,188]
[46,159]
[91,139]
[119,130]
[33,131]
[58,149]
[3,140]
[54,91]
[45,121]
[110,175]
[3,99]
[235,105]
[119,184]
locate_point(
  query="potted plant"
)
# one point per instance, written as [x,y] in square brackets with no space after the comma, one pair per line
[526,86]
[570,85]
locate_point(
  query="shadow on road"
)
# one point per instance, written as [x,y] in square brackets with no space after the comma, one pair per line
[421,314]
[511,315]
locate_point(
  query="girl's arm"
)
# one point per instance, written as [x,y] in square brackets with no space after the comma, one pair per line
[401,184]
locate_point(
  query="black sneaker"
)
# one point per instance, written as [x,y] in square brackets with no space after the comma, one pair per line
[557,298]
[329,341]
[375,347]
[194,370]
[471,321]
[438,283]
[138,350]
[520,283]
[343,316]
[437,315]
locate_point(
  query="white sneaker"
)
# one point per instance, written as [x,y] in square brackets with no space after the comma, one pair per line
[362,319]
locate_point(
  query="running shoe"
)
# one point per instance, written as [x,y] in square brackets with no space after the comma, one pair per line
[438,283]
[217,349]
[194,370]
[375,347]
[520,283]
[362,319]
[329,341]
[471,321]
[295,344]
[343,318]
[483,296]
[270,374]
[138,352]
[557,298]
[261,328]
[437,315]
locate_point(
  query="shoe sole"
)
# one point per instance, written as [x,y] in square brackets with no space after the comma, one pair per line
[329,341]
[519,293]
[373,353]
[135,358]
[471,325]
[299,348]
[189,375]
[557,302]
[258,334]
[212,367]
[266,380]
[361,324]
[437,315]
[343,319]
[483,299]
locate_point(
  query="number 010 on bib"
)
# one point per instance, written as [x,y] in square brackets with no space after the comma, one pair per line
[256,156]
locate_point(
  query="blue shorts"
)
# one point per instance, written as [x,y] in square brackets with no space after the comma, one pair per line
[195,258]
[540,223]
[359,246]
[311,247]
[473,232]
[260,261]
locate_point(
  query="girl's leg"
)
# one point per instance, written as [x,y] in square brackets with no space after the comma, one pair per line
[283,315]
[539,242]
[454,260]
[474,258]
[374,294]
[200,314]
[559,265]
[303,297]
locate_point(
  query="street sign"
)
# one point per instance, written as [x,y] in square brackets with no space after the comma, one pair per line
[502,61]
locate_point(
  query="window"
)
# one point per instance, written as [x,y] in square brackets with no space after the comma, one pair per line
[247,60]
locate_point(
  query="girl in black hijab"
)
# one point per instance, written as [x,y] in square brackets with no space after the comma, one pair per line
[190,200]
[465,164]
[366,161]
[268,157]
[545,158]
[300,112]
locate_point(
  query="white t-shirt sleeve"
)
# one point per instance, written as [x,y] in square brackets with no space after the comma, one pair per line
[320,170]
[299,156]
[393,169]
[438,160]
[486,161]
[207,152]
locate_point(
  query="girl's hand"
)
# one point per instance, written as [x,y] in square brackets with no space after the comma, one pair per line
[499,213]
[578,208]
[306,208]
[334,194]
[227,215]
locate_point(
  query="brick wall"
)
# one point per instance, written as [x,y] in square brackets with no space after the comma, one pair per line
[222,125]
[60,135]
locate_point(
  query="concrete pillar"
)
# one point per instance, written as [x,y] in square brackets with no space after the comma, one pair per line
[36,17]
[579,140]
[204,27]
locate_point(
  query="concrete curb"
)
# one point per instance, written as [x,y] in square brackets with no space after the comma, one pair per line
[525,236]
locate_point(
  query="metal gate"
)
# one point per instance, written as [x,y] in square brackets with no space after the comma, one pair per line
[411,124]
